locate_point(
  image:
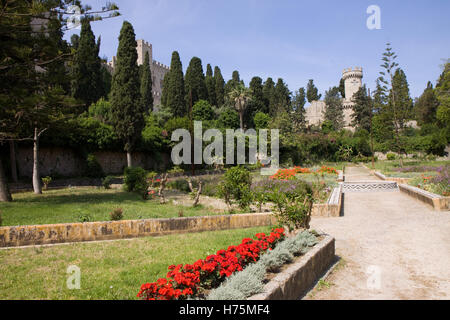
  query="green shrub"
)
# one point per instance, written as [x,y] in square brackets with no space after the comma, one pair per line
[93,168]
[84,217]
[46,181]
[107,181]
[180,185]
[236,187]
[135,180]
[116,214]
[391,156]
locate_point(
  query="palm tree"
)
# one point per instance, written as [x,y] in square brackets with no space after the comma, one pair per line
[240,96]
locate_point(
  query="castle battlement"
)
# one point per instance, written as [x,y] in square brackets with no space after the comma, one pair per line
[159,64]
[356,72]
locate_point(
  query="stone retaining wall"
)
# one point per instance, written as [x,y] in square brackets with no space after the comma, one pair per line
[111,230]
[301,276]
[439,203]
[332,208]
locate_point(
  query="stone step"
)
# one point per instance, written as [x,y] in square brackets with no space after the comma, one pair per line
[370,186]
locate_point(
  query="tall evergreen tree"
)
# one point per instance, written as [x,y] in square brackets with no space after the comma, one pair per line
[234,82]
[312,93]
[282,97]
[362,110]
[334,111]
[210,86]
[165,89]
[298,106]
[87,84]
[426,106]
[194,82]
[342,88]
[127,109]
[256,104]
[146,85]
[219,85]
[269,95]
[174,87]
[442,92]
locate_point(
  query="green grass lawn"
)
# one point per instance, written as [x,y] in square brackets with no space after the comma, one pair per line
[109,270]
[65,206]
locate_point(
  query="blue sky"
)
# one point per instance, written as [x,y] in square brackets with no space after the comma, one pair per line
[290,39]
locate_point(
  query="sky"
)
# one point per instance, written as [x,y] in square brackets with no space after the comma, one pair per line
[291,39]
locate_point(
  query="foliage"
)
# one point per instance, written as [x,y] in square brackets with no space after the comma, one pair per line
[391,156]
[219,86]
[202,111]
[135,180]
[87,83]
[174,87]
[146,85]
[426,106]
[334,111]
[240,96]
[93,167]
[261,120]
[84,217]
[107,181]
[229,119]
[127,110]
[312,93]
[46,181]
[235,186]
[116,214]
[101,111]
[362,110]
[210,86]
[194,82]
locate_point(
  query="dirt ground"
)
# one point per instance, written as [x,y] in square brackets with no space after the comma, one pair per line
[391,247]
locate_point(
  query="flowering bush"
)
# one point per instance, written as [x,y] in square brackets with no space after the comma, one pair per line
[439,184]
[328,170]
[184,281]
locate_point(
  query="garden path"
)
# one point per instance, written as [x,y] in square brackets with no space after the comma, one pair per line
[391,247]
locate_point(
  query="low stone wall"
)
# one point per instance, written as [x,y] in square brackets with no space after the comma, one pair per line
[332,208]
[439,203]
[112,230]
[381,176]
[300,277]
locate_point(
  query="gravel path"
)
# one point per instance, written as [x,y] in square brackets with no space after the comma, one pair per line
[392,247]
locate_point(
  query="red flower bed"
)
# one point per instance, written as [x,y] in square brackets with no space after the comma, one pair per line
[184,281]
[288,174]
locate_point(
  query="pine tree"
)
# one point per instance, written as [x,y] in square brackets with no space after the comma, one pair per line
[87,84]
[219,85]
[334,111]
[362,110]
[127,110]
[146,85]
[174,87]
[312,93]
[210,86]
[194,82]
[426,106]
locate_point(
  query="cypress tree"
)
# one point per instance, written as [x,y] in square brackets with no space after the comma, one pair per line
[312,93]
[362,110]
[127,110]
[195,82]
[87,83]
[165,89]
[219,87]
[282,97]
[426,106]
[146,85]
[256,104]
[342,88]
[175,87]
[298,105]
[210,86]
[269,94]
[334,111]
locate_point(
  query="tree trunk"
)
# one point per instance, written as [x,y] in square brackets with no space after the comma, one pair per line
[241,116]
[5,195]
[37,187]
[129,159]
[12,153]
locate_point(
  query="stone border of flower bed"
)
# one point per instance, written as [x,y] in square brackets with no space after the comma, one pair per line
[333,206]
[298,278]
[112,230]
[381,176]
[438,202]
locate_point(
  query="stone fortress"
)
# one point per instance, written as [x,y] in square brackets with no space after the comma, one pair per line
[158,69]
[353,82]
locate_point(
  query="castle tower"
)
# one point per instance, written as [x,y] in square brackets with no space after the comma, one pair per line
[142,48]
[353,82]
